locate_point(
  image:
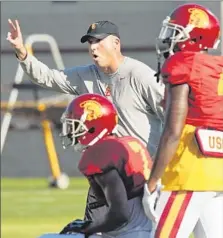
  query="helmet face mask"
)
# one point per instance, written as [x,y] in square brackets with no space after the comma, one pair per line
[72,129]
[171,34]
[190,27]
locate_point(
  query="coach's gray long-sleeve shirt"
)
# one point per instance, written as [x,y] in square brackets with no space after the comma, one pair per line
[133,90]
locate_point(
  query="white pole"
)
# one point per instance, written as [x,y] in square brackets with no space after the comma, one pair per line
[35,38]
[11,102]
[19,77]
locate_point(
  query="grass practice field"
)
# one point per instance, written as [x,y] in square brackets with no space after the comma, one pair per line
[29,208]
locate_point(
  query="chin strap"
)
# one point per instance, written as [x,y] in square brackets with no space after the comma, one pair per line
[157,75]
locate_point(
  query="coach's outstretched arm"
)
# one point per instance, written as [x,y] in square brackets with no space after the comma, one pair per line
[38,72]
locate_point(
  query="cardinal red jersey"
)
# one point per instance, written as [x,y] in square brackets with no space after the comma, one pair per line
[126,154]
[191,169]
[204,74]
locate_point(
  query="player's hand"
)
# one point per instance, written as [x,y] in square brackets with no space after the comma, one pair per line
[14,36]
[149,201]
[77,226]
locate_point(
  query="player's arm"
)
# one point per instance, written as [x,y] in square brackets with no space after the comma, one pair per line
[116,197]
[176,112]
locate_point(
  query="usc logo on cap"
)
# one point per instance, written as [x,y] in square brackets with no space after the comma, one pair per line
[92,109]
[93,26]
[198,18]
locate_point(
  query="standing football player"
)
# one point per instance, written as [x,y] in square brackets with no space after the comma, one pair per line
[116,168]
[190,155]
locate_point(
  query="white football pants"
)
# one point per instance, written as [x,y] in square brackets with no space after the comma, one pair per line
[182,213]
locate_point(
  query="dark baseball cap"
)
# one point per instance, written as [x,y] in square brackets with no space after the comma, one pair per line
[100,30]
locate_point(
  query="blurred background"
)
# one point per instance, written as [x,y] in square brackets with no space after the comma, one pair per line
[24,154]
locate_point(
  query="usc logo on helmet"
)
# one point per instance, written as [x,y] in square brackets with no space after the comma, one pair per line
[198,18]
[92,109]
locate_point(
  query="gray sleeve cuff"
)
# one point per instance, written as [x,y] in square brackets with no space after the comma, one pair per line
[27,58]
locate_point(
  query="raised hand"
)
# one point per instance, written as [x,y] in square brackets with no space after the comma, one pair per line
[14,36]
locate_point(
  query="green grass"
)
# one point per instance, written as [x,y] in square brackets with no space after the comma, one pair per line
[30,208]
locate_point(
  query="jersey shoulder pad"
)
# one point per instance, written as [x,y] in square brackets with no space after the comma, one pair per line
[212,61]
[177,68]
[138,160]
[101,157]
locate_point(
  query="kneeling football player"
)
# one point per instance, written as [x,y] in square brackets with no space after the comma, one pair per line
[116,168]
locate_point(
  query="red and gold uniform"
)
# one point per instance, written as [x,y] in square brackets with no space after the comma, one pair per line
[119,153]
[192,197]
[127,155]
[190,169]
[193,182]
